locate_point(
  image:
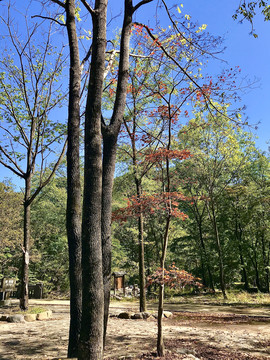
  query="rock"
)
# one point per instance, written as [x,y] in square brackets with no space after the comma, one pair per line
[30,317]
[124,315]
[42,316]
[189,352]
[137,316]
[4,318]
[5,302]
[16,318]
[146,315]
[155,315]
[167,314]
[49,314]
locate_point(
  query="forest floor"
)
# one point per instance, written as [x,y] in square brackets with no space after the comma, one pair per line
[196,331]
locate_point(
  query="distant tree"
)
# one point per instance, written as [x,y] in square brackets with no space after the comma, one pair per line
[11,233]
[49,251]
[220,149]
[28,94]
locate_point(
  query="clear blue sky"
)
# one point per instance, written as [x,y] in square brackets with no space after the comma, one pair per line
[242,49]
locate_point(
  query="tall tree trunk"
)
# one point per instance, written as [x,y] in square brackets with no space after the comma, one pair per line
[141,245]
[24,297]
[138,184]
[73,212]
[92,323]
[206,257]
[108,167]
[160,339]
[141,265]
[167,188]
[110,134]
[238,235]
[220,255]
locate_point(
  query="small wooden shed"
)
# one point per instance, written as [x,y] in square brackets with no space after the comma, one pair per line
[119,281]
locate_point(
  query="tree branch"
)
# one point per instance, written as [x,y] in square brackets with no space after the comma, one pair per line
[20,173]
[88,7]
[60,3]
[143,2]
[48,18]
[44,183]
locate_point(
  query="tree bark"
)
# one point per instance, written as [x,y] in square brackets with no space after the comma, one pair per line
[92,325]
[24,297]
[73,211]
[108,167]
[141,253]
[110,133]
[160,339]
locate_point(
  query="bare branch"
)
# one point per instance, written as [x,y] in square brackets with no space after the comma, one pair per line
[185,37]
[60,3]
[88,7]
[143,2]
[44,183]
[48,18]
[18,172]
[87,56]
[110,63]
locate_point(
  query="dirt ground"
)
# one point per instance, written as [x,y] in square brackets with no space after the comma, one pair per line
[194,332]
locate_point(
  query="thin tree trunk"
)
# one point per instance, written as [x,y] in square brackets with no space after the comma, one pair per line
[73,212]
[265,263]
[141,248]
[160,339]
[238,235]
[138,184]
[141,265]
[220,255]
[24,297]
[205,257]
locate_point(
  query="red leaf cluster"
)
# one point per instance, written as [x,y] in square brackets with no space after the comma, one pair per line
[162,154]
[173,278]
[150,204]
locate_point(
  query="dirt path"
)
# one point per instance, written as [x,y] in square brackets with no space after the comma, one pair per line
[190,334]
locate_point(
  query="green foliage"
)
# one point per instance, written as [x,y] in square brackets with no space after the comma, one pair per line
[247,10]
[50,250]
[11,233]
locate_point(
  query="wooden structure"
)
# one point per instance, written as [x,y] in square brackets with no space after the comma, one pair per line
[36,291]
[7,286]
[119,282]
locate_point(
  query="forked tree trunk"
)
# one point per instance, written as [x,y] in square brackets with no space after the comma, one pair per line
[73,212]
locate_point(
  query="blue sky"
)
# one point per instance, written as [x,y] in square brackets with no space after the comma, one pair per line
[242,49]
[251,54]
